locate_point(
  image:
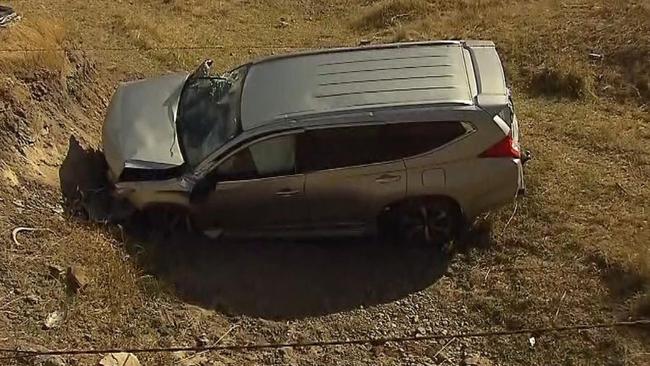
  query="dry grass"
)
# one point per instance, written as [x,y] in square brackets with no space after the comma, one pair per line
[545,45]
[39,34]
[584,225]
[391,12]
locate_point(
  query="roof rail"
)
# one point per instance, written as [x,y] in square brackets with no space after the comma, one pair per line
[357,48]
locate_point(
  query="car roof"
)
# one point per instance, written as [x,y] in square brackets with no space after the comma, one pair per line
[306,84]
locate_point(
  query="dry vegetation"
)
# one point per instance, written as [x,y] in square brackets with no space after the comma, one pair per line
[583,230]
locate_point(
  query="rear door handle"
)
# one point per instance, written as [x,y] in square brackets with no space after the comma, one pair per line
[287,192]
[388,178]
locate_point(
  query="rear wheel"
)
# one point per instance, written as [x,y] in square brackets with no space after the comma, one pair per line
[432,222]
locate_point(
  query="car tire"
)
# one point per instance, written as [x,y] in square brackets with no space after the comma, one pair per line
[432,222]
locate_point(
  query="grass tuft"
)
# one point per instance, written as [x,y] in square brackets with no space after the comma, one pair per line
[41,34]
[554,82]
[390,12]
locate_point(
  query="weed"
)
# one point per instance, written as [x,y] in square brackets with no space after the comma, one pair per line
[391,12]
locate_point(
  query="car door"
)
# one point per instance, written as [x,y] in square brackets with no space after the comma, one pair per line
[350,176]
[258,188]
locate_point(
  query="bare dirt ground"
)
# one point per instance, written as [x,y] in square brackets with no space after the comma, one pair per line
[576,250]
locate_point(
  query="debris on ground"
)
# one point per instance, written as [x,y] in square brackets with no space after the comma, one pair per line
[476,360]
[596,56]
[53,320]
[190,359]
[52,361]
[120,359]
[7,16]
[283,23]
[76,278]
[55,271]
[202,341]
[18,230]
[32,299]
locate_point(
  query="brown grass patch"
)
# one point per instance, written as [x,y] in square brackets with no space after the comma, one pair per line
[640,304]
[545,44]
[390,12]
[40,36]
[556,82]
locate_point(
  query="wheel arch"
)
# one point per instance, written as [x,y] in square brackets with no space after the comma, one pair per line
[414,200]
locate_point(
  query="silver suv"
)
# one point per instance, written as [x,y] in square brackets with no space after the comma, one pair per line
[411,139]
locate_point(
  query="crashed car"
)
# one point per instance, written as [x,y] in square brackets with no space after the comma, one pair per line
[408,139]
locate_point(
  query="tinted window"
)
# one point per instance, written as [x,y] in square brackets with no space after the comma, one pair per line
[414,138]
[268,158]
[349,146]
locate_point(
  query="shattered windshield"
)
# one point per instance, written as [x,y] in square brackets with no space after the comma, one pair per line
[208,114]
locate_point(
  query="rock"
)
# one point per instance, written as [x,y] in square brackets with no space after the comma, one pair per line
[282,24]
[120,359]
[55,271]
[190,359]
[53,320]
[202,341]
[76,278]
[421,331]
[53,361]
[32,299]
[364,42]
[476,360]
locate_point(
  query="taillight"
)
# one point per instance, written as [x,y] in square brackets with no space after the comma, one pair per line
[506,148]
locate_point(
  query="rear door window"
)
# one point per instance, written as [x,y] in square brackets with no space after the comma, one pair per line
[338,147]
[415,138]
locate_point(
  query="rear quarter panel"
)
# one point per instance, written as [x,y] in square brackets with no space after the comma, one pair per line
[454,170]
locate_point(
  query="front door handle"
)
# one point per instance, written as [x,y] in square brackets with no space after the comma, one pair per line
[388,178]
[287,192]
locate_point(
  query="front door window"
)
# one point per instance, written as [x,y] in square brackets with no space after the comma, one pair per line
[269,158]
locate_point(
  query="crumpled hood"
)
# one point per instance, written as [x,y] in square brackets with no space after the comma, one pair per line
[140,128]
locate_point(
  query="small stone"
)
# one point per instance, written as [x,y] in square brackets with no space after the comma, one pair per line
[120,359]
[76,278]
[57,209]
[53,361]
[190,359]
[415,319]
[55,271]
[475,360]
[53,320]
[32,299]
[421,331]
[202,341]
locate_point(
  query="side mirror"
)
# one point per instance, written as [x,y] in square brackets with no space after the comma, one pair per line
[202,189]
